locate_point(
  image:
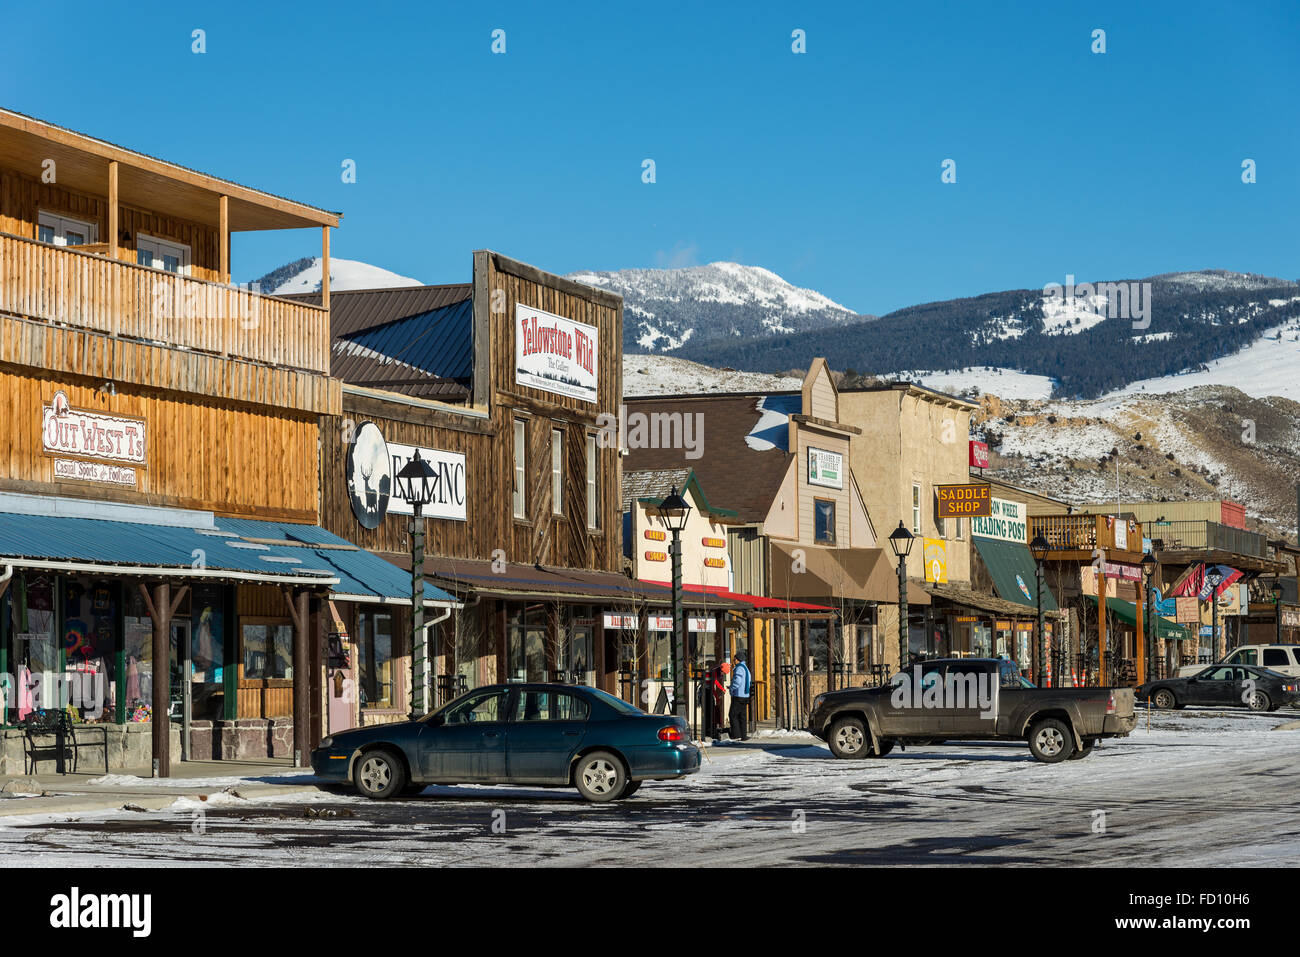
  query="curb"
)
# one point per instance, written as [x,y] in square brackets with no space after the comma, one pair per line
[149,800]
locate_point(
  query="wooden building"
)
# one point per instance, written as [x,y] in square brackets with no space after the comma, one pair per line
[159,479]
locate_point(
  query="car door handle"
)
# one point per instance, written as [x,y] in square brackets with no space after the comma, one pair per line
[491,734]
[572,734]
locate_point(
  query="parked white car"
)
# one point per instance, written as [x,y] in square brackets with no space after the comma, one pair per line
[1281,658]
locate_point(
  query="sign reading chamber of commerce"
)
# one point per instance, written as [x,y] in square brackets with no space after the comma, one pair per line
[555,354]
[92,435]
[825,468]
[962,501]
[1006,522]
[371,471]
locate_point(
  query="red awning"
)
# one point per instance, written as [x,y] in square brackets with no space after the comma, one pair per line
[758,602]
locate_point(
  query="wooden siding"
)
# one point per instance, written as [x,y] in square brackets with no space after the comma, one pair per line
[60,284]
[76,352]
[200,453]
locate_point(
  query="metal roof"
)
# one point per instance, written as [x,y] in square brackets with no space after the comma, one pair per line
[439,342]
[352,310]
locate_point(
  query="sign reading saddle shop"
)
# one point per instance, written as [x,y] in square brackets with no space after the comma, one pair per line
[110,439]
[371,471]
[960,501]
[555,354]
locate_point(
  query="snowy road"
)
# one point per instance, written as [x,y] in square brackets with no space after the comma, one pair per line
[1199,788]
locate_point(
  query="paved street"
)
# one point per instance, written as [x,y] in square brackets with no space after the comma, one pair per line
[1198,788]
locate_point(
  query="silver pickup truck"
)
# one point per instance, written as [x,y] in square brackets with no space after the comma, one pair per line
[970,699]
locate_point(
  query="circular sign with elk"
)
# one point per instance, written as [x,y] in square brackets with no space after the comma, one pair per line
[369,475]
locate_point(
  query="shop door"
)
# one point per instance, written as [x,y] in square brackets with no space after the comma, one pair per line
[181,683]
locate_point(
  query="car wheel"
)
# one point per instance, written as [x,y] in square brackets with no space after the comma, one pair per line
[599,776]
[886,745]
[630,789]
[1259,702]
[849,738]
[1164,699]
[1051,741]
[379,774]
[1088,745]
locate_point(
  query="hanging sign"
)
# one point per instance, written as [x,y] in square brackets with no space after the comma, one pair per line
[555,354]
[1188,610]
[979,454]
[825,468]
[960,501]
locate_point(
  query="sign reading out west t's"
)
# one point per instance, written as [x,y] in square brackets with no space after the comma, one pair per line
[555,354]
[961,501]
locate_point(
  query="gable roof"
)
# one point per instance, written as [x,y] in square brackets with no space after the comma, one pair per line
[650,487]
[744,464]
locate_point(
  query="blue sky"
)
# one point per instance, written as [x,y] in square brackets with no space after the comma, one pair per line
[823,167]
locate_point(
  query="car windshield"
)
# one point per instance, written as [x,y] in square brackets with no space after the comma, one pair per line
[618,704]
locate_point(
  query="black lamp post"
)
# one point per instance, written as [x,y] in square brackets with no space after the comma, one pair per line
[900,540]
[1040,547]
[1277,608]
[674,511]
[1148,570]
[1214,577]
[415,482]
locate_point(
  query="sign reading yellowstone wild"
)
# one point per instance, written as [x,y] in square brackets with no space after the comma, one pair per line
[90,434]
[963,501]
[555,354]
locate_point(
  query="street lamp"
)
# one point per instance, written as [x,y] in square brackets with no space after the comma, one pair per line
[1149,570]
[1214,577]
[1040,547]
[900,540]
[674,511]
[1277,607]
[415,483]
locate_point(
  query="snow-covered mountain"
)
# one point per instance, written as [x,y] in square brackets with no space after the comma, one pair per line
[304,275]
[663,309]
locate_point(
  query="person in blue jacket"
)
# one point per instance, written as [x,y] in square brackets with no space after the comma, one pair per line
[742,686]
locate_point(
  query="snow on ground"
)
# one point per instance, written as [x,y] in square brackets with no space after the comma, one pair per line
[345,274]
[1004,383]
[1268,366]
[1072,315]
[666,375]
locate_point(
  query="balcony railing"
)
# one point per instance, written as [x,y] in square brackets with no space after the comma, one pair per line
[1083,533]
[65,286]
[1182,536]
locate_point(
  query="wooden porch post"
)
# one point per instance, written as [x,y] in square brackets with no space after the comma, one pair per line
[1141,636]
[1101,624]
[325,266]
[162,607]
[112,209]
[223,239]
[300,613]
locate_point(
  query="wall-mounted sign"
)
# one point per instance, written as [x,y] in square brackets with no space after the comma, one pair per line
[715,563]
[1006,522]
[656,556]
[936,561]
[71,470]
[372,466]
[694,623]
[655,535]
[555,354]
[825,468]
[1291,617]
[1188,610]
[620,622]
[961,501]
[449,482]
[714,542]
[979,454]
[90,434]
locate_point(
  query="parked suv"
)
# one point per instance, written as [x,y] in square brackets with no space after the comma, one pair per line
[1284,659]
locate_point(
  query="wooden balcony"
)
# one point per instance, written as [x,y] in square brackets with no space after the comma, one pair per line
[1075,537]
[70,288]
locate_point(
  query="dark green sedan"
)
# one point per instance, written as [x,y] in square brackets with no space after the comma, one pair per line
[550,735]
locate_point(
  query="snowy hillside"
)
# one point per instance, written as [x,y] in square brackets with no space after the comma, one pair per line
[668,375]
[304,275]
[663,309]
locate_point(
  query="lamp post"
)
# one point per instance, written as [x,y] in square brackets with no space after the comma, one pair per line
[1214,577]
[1149,570]
[1277,608]
[674,511]
[900,540]
[1040,547]
[415,483]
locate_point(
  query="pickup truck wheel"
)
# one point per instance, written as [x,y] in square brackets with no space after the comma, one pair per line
[1164,699]
[1051,741]
[1088,745]
[849,738]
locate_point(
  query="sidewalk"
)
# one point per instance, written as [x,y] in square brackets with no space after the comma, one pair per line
[25,795]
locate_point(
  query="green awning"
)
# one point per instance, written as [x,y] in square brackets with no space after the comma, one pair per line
[1012,568]
[1127,611]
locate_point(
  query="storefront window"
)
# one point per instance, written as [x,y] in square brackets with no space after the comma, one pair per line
[88,646]
[526,642]
[35,645]
[207,654]
[818,644]
[138,635]
[268,650]
[981,640]
[577,630]
[375,659]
